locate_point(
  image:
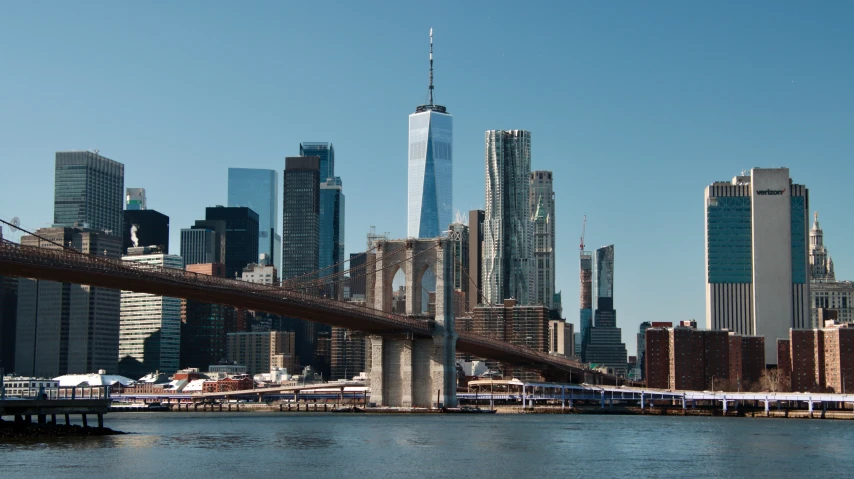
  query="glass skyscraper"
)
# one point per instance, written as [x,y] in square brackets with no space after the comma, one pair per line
[507,247]
[241,237]
[324,151]
[259,190]
[430,192]
[300,217]
[89,191]
[605,346]
[332,233]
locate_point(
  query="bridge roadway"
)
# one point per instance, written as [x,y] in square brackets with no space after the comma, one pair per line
[72,267]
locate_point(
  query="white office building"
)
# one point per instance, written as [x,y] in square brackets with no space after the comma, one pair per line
[150,325]
[757,280]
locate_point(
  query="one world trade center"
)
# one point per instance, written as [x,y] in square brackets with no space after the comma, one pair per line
[430,167]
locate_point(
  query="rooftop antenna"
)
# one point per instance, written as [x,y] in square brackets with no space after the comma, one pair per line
[431,67]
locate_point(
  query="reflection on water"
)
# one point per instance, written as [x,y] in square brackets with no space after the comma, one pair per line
[238,445]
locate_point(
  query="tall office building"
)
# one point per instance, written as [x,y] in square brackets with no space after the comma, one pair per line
[756,257]
[325,152]
[331,247]
[301,246]
[259,190]
[641,354]
[88,192]
[8,321]
[203,243]
[542,203]
[458,233]
[241,236]
[430,192]
[585,263]
[150,325]
[67,328]
[605,347]
[145,228]
[475,262]
[135,199]
[300,217]
[506,225]
[261,351]
[826,293]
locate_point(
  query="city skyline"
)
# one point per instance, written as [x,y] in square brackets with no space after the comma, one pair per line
[685,121]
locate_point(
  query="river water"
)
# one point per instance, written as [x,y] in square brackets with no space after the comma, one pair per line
[297,445]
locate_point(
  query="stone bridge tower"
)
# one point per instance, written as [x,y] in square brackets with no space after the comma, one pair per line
[406,370]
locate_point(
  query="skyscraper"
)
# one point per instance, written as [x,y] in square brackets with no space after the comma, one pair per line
[475,262]
[205,326]
[430,192]
[585,263]
[88,192]
[241,236]
[331,247]
[605,348]
[757,280]
[150,325]
[258,190]
[542,203]
[506,226]
[203,243]
[300,217]
[325,152]
[67,328]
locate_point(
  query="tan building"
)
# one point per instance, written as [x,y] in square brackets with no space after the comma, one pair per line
[561,338]
[261,351]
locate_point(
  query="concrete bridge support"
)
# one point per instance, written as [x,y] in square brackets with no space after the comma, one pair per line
[406,371]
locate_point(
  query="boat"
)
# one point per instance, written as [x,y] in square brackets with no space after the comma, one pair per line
[469,410]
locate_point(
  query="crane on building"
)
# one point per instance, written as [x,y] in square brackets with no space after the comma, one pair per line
[583,228]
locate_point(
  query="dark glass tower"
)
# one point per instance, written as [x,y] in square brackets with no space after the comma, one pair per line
[89,191]
[241,236]
[259,190]
[300,217]
[145,228]
[325,153]
[331,246]
[605,348]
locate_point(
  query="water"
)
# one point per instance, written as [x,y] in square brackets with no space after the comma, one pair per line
[261,445]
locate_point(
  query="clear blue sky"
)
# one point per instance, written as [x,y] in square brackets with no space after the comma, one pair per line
[635,106]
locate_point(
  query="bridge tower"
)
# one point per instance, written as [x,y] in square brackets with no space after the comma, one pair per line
[406,370]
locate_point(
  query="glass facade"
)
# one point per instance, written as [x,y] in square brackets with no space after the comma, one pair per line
[324,151]
[730,249]
[300,217]
[799,240]
[145,228]
[89,191]
[241,237]
[430,195]
[259,190]
[603,279]
[332,232]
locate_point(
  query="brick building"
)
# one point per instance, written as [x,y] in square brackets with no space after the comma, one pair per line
[817,360]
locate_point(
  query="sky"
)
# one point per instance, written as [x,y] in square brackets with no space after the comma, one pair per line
[635,107]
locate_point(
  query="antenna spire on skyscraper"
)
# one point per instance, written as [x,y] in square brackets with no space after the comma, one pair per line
[431,67]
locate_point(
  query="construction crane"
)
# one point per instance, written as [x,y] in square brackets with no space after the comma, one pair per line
[583,228]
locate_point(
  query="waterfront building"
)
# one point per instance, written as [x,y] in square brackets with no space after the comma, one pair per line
[27,387]
[605,348]
[150,325]
[331,239]
[756,256]
[684,358]
[135,199]
[507,245]
[143,227]
[430,170]
[348,354]
[514,323]
[241,236]
[258,189]
[542,204]
[88,193]
[825,291]
[67,328]
[817,360]
[261,351]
